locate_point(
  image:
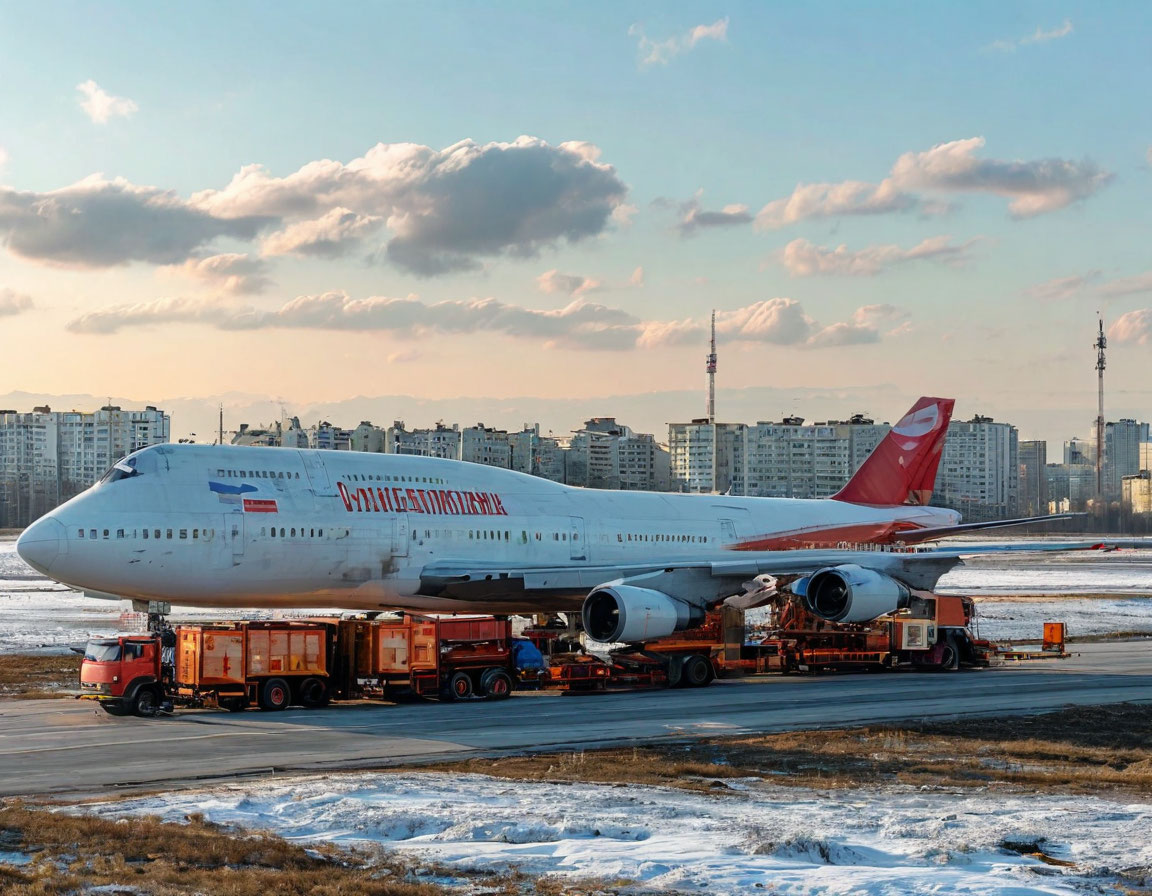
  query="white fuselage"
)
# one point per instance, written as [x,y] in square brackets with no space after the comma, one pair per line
[274,527]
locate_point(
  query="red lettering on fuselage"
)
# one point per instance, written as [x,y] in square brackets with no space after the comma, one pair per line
[419,500]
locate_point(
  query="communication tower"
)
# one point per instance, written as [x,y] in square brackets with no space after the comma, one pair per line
[710,367]
[1101,344]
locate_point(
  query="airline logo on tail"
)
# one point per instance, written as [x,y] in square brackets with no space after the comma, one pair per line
[902,469]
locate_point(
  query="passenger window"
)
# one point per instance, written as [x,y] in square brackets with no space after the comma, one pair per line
[195,534]
[145,534]
[292,532]
[320,533]
[80,533]
[184,533]
[168,532]
[91,533]
[119,533]
[156,533]
[281,531]
[273,531]
[105,533]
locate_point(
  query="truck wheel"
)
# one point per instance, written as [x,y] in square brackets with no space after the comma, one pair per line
[146,703]
[496,685]
[313,693]
[697,672]
[275,695]
[459,687]
[950,658]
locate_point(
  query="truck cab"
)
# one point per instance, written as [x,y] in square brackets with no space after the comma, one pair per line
[123,674]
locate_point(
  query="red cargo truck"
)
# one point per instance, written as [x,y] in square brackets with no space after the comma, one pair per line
[233,665]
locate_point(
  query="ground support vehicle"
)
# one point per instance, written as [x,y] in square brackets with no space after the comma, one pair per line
[932,633]
[231,665]
[272,665]
[452,658]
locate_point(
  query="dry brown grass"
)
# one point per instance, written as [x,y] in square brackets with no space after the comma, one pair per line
[144,855]
[75,852]
[34,677]
[1081,750]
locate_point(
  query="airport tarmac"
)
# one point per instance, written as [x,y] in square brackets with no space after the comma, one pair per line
[73,747]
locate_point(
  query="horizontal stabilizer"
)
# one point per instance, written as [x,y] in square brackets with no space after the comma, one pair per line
[914,536]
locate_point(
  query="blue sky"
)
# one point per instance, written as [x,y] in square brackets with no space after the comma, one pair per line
[1009,144]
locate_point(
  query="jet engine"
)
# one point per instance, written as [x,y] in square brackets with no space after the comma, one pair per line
[617,612]
[851,593]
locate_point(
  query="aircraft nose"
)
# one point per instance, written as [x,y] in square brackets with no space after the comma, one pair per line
[40,544]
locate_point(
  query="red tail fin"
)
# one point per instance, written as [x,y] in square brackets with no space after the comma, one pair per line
[902,469]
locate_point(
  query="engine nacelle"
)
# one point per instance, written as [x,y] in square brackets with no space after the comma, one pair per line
[851,593]
[630,613]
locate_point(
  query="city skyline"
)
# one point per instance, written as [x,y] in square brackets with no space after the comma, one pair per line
[375,202]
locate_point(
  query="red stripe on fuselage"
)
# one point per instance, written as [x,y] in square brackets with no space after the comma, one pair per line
[856,533]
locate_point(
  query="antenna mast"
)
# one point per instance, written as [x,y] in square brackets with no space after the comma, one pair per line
[221,442]
[1101,344]
[710,367]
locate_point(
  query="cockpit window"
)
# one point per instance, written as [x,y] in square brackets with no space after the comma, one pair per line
[124,469]
[102,651]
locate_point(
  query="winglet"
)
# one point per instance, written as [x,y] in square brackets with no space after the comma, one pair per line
[902,468]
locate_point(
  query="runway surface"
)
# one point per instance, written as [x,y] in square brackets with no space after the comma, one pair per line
[73,747]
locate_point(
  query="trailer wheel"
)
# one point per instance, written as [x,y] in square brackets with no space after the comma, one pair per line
[314,693]
[275,694]
[146,703]
[459,687]
[496,685]
[697,672]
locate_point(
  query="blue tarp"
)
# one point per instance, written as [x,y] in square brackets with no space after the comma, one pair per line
[526,656]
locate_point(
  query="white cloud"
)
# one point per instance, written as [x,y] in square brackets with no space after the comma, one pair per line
[233,273]
[158,311]
[12,302]
[333,234]
[1133,328]
[101,106]
[1039,36]
[99,223]
[826,200]
[445,208]
[661,52]
[1059,288]
[1035,187]
[570,284]
[4,156]
[637,277]
[694,218]
[802,258]
[779,321]
[580,325]
[1127,286]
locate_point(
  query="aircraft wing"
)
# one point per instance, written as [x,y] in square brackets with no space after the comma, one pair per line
[721,574]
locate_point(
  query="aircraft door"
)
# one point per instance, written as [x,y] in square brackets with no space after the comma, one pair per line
[317,474]
[400,536]
[577,540]
[234,522]
[727,532]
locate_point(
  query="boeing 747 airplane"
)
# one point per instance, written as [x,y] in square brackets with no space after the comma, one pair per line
[250,527]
